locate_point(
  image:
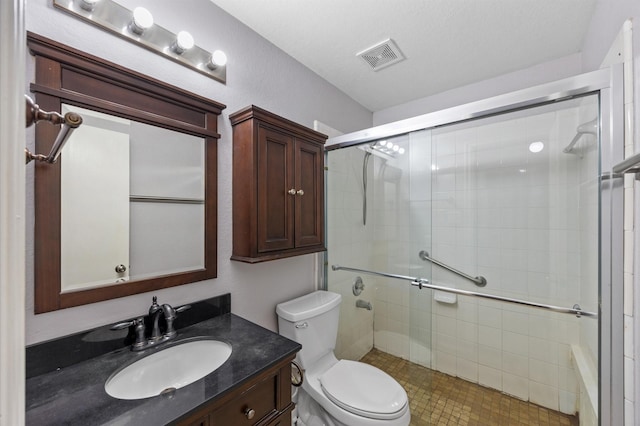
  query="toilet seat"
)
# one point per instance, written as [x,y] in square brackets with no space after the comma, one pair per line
[364,390]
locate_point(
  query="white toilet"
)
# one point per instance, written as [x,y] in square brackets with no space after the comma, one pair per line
[336,393]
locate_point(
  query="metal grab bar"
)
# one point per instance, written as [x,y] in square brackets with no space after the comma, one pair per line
[480,281]
[424,283]
[630,165]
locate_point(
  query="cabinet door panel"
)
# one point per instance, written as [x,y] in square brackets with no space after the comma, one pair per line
[275,204]
[310,204]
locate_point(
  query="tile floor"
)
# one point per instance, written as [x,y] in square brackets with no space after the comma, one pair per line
[439,399]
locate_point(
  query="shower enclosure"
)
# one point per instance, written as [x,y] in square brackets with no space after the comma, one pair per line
[487,238]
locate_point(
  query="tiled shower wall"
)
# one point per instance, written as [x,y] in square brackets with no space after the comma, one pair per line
[475,198]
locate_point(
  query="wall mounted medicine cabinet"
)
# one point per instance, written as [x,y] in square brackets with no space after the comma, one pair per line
[131,205]
[278,187]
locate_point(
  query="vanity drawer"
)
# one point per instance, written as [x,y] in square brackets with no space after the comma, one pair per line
[251,406]
[268,394]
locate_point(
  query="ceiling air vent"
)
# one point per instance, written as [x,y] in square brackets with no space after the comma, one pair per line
[381,55]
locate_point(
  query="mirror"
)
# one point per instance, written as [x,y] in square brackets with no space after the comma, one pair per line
[144,186]
[130,206]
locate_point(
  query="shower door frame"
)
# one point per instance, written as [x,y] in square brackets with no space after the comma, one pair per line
[607,83]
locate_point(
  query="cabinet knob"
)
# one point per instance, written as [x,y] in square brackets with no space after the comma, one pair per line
[121,268]
[300,192]
[292,191]
[249,413]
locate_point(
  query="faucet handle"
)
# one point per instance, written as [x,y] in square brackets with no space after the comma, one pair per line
[138,329]
[125,324]
[170,314]
[182,308]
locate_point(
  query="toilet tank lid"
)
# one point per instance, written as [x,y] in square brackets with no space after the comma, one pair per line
[308,306]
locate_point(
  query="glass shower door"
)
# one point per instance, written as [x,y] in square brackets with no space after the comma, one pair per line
[377,220]
[505,206]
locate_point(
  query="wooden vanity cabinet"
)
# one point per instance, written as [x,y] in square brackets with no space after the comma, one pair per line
[278,187]
[264,400]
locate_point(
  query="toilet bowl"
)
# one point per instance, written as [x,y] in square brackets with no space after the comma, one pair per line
[337,392]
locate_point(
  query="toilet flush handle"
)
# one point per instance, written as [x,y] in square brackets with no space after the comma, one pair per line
[302,325]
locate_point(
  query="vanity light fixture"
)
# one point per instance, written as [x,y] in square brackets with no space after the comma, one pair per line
[142,20]
[183,42]
[138,27]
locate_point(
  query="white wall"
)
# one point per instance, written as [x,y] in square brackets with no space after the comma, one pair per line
[522,79]
[257,73]
[12,214]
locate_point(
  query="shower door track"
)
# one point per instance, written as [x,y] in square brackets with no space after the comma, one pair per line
[424,283]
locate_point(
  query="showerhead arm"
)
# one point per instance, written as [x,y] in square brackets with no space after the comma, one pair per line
[588,128]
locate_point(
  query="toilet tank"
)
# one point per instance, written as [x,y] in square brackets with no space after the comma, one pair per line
[312,321]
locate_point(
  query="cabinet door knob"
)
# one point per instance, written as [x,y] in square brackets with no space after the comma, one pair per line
[292,191]
[300,192]
[121,268]
[249,413]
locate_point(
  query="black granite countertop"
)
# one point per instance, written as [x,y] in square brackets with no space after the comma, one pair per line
[75,395]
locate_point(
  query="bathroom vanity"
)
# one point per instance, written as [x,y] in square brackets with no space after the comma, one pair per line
[66,377]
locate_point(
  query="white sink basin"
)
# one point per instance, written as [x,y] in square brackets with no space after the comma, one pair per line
[168,369]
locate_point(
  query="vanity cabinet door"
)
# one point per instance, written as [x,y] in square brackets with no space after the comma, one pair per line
[278,187]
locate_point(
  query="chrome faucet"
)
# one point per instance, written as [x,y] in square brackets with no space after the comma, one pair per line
[137,326]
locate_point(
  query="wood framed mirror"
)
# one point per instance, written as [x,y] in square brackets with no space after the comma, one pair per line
[140,181]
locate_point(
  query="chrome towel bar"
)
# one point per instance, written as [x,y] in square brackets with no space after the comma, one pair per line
[480,281]
[424,283]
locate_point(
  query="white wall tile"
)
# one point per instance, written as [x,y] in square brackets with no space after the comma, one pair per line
[515,385]
[515,364]
[489,357]
[490,377]
[543,372]
[515,343]
[467,370]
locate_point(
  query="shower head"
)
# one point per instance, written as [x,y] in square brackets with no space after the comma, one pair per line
[383,149]
[588,128]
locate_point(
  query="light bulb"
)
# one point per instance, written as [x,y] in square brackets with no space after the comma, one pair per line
[401,151]
[142,20]
[88,4]
[184,41]
[383,143]
[218,59]
[396,148]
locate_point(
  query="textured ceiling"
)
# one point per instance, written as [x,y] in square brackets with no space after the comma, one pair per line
[447,43]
